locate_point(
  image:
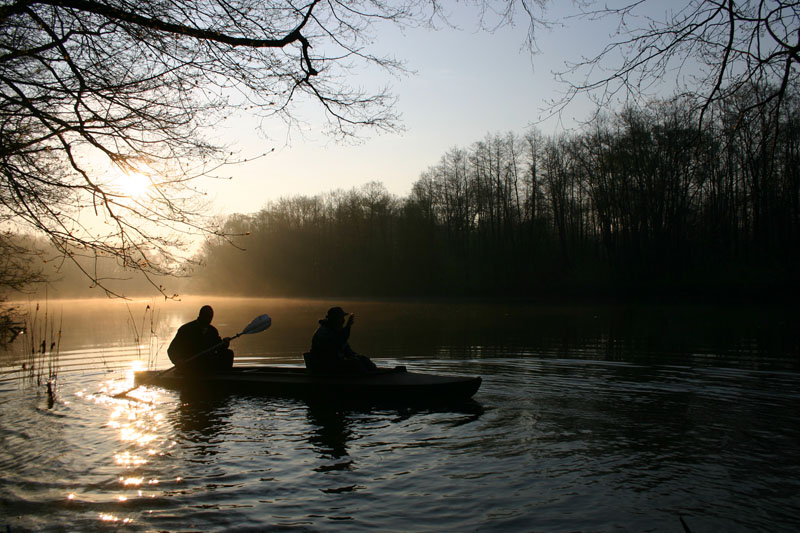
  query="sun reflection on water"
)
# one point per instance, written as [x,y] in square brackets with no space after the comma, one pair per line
[138,422]
[108,517]
[128,459]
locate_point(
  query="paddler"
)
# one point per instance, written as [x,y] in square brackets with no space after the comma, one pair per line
[330,349]
[197,346]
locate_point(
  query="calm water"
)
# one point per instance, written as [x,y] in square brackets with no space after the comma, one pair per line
[589,419]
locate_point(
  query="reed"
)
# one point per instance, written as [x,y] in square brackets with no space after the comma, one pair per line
[145,330]
[41,343]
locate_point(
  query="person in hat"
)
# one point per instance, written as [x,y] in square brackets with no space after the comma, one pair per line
[330,349]
[197,346]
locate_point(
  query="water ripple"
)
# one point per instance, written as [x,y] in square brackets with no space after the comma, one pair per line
[588,434]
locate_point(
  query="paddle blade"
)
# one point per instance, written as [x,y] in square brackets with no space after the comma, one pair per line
[260,323]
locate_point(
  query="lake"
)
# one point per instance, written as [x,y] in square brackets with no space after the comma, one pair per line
[610,418]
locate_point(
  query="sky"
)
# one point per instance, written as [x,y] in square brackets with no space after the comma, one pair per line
[467,83]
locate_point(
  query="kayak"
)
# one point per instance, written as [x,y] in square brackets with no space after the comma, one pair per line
[394,384]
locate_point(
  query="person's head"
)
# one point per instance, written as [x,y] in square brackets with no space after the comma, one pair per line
[206,314]
[335,316]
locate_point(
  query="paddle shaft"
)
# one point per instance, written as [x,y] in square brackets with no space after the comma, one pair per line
[260,323]
[195,356]
[170,369]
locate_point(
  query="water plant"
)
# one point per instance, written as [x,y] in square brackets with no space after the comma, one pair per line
[41,343]
[145,328]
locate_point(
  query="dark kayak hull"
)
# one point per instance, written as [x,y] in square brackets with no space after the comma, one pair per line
[385,384]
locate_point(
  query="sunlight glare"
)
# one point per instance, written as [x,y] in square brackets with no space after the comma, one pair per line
[129,434]
[131,182]
[108,517]
[128,459]
[134,185]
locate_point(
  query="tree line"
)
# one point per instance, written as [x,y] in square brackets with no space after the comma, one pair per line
[640,202]
[142,88]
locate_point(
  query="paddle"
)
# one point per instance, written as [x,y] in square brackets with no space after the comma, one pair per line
[257,325]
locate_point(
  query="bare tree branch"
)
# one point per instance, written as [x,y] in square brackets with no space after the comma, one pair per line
[140,84]
[711,49]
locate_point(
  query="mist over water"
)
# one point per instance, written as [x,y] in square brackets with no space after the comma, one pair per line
[588,419]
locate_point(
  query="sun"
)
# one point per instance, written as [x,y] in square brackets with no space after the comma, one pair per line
[133,185]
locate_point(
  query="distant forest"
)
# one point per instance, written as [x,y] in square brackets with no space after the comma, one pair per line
[640,203]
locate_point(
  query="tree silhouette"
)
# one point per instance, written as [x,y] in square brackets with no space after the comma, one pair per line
[714,50]
[140,85]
